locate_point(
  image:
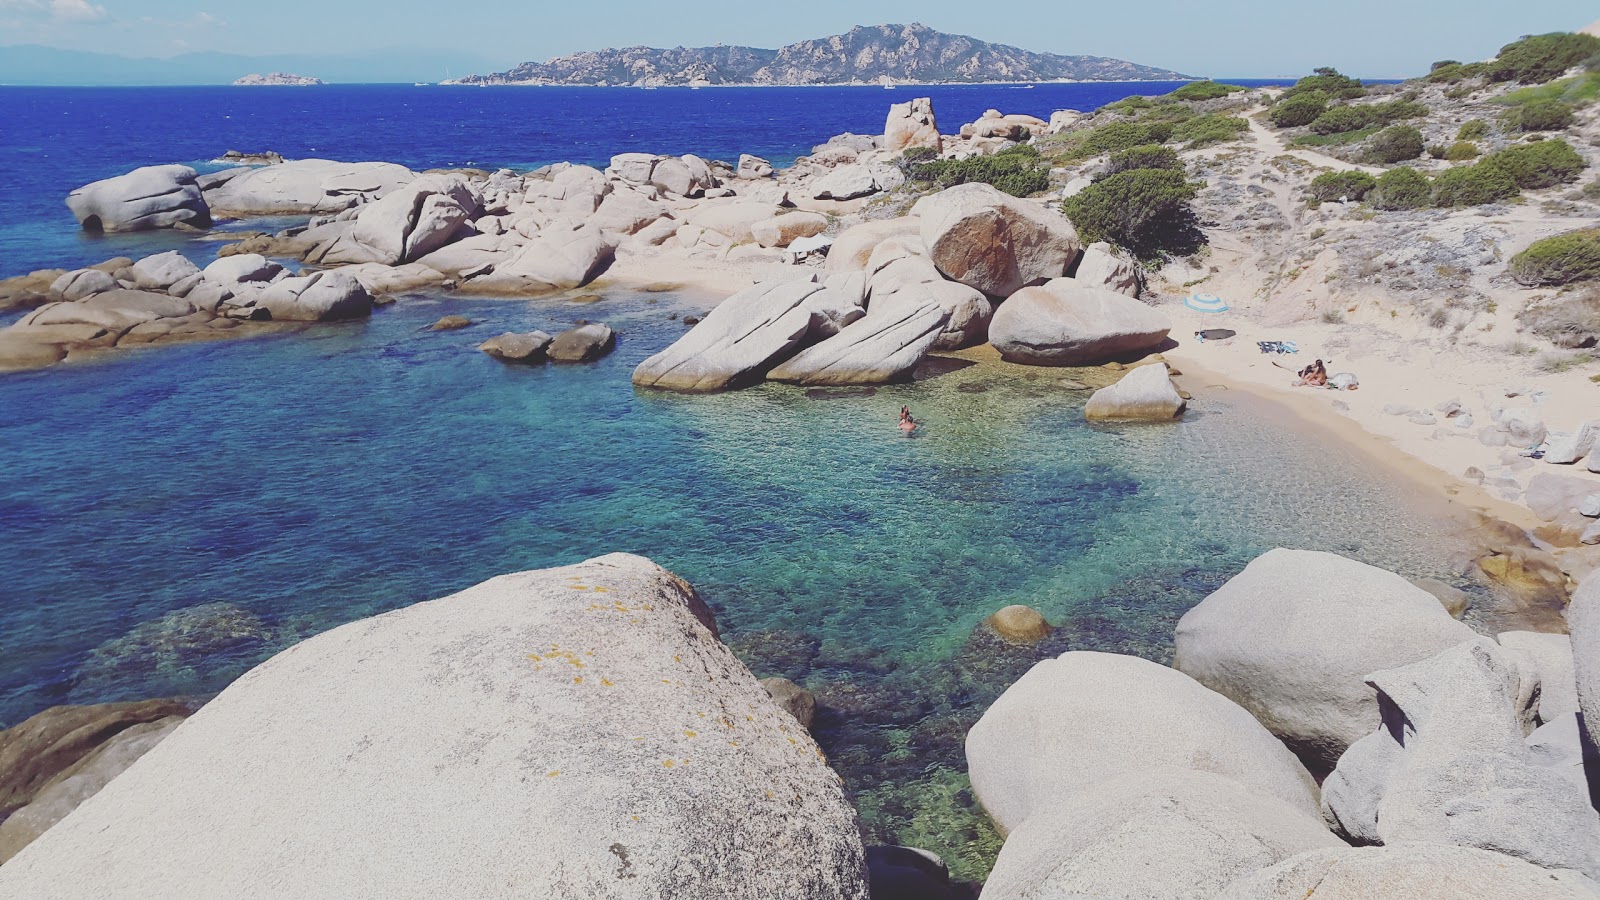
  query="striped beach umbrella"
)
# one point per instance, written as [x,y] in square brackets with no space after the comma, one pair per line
[1205,303]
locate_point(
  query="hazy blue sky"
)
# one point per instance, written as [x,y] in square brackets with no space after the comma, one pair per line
[1374,38]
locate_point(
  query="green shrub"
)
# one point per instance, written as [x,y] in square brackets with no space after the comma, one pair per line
[1401,188]
[919,154]
[1394,111]
[1540,115]
[1591,191]
[1213,128]
[1114,136]
[1472,186]
[1204,90]
[1461,151]
[1473,130]
[1397,143]
[1340,119]
[1542,57]
[1563,259]
[1332,140]
[1148,156]
[1144,210]
[1328,81]
[1540,164]
[1301,109]
[1017,171]
[1336,185]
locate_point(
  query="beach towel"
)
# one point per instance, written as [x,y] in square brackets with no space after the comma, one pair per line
[1278,346]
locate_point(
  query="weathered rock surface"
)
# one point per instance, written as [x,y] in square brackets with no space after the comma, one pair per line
[1169,834]
[967,311]
[782,230]
[793,699]
[737,342]
[563,256]
[994,242]
[753,167]
[1408,872]
[585,343]
[1293,637]
[528,347]
[1551,659]
[912,125]
[81,283]
[1086,718]
[77,783]
[1101,266]
[853,247]
[146,198]
[841,301]
[1019,624]
[242,268]
[408,223]
[318,297]
[1066,323]
[1454,600]
[569,726]
[305,187]
[1145,394]
[163,270]
[1583,622]
[1566,449]
[880,347]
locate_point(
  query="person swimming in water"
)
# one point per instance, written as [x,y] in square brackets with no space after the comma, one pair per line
[907,423]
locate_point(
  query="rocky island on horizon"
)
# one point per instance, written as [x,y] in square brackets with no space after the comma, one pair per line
[276,79]
[906,54]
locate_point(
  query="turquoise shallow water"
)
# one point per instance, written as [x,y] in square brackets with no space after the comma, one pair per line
[306,480]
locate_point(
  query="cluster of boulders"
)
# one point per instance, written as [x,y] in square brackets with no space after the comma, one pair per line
[969,264]
[586,342]
[166,297]
[1450,764]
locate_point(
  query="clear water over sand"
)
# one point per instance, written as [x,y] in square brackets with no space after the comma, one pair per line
[310,479]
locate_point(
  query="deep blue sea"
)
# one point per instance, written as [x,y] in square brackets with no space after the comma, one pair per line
[257,492]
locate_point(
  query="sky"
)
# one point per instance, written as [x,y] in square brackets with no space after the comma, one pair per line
[1223,38]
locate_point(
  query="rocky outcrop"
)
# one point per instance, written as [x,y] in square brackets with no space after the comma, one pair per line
[318,297]
[883,346]
[577,731]
[1066,323]
[854,246]
[585,343]
[911,126]
[1548,659]
[782,230]
[1168,834]
[81,283]
[967,311]
[792,699]
[1085,718]
[737,342]
[408,223]
[1101,266]
[1408,872]
[1293,637]
[1583,621]
[753,167]
[1144,394]
[276,79]
[527,347]
[994,242]
[1448,765]
[854,182]
[305,187]
[146,198]
[563,256]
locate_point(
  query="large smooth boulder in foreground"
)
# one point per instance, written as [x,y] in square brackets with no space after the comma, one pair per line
[318,297]
[1067,323]
[1144,394]
[737,342]
[1173,834]
[146,198]
[853,247]
[881,347]
[569,732]
[306,187]
[1087,717]
[1293,637]
[1449,765]
[967,310]
[992,241]
[1408,872]
[67,791]
[911,125]
[1583,622]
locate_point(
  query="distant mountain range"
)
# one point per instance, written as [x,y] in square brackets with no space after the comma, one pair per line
[866,54]
[34,65]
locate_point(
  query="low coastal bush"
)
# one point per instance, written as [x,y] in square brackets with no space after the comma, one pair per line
[1540,115]
[1302,109]
[1540,164]
[1331,140]
[1203,131]
[1017,171]
[1145,210]
[1401,188]
[1472,186]
[1329,82]
[1461,151]
[1563,259]
[1397,143]
[1472,130]
[1204,90]
[1114,136]
[1579,90]
[1450,71]
[1339,119]
[1148,156]
[1394,110]
[1542,57]
[1338,185]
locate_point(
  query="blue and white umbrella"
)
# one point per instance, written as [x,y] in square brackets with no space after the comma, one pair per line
[1205,303]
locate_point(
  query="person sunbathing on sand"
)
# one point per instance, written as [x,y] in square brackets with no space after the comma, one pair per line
[1314,375]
